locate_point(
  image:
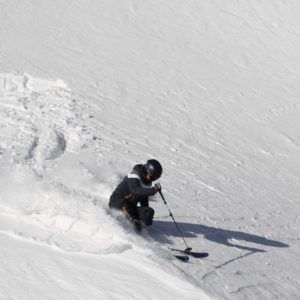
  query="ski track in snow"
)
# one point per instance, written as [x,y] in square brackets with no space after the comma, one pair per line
[52,144]
[49,123]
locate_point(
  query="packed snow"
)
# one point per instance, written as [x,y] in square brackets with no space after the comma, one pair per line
[90,88]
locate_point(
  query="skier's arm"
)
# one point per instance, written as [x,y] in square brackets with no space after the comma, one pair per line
[136,188]
[144,202]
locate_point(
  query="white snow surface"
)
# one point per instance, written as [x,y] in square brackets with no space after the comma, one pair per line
[209,88]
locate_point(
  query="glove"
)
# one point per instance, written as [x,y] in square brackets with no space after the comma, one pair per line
[157,187]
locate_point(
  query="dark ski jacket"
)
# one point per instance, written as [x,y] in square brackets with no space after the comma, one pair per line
[133,189]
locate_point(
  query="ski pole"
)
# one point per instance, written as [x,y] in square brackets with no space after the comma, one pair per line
[171,215]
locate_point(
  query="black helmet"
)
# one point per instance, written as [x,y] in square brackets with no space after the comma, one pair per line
[154,168]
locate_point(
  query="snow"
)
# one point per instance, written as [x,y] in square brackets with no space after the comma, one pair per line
[90,88]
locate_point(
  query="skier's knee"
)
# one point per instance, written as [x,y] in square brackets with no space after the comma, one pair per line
[115,202]
[147,216]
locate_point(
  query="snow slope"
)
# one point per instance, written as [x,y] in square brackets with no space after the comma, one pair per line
[211,89]
[58,240]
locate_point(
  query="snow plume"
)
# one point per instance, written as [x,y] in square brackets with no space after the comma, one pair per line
[43,138]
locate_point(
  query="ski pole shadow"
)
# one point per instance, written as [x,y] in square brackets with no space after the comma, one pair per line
[230,238]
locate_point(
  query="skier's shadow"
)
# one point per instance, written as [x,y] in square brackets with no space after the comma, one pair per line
[230,238]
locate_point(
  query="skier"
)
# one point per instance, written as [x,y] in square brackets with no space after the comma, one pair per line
[135,189]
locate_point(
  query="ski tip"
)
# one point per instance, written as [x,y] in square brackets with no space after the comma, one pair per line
[202,255]
[183,258]
[191,253]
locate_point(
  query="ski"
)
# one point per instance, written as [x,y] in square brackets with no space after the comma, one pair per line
[191,253]
[184,258]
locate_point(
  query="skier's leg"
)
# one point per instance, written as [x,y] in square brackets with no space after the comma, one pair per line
[115,202]
[146,215]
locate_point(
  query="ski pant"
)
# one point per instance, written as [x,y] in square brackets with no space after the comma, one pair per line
[144,213]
